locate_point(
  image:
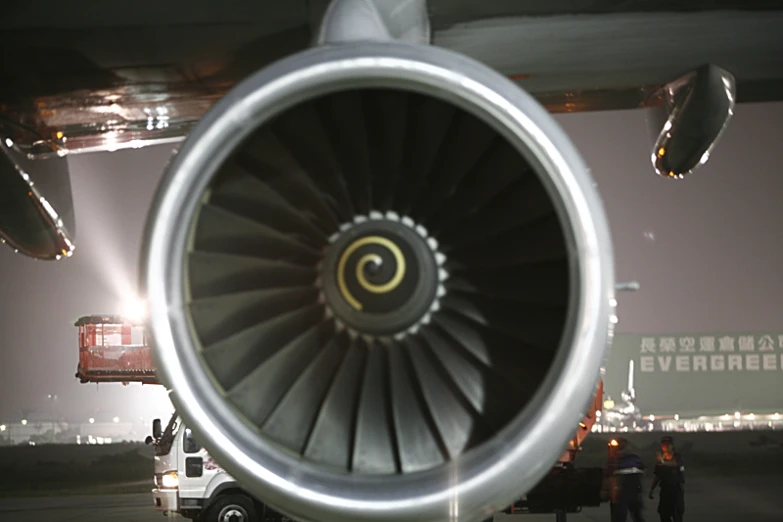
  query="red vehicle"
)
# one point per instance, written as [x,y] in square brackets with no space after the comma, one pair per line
[113,349]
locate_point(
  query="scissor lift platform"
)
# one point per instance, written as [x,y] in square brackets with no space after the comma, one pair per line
[113,349]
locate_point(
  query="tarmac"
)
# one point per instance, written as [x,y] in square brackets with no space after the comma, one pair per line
[708,499]
[731,477]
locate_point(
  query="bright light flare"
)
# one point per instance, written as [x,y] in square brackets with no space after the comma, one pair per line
[170,480]
[135,309]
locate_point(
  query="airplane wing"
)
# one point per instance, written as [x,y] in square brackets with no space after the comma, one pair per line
[83,75]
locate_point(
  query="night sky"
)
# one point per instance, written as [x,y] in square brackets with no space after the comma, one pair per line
[707,251]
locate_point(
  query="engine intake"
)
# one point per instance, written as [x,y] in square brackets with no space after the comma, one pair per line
[380,282]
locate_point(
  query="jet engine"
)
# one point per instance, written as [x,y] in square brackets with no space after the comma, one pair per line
[380,282]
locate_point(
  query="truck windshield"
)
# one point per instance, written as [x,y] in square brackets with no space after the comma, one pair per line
[167,438]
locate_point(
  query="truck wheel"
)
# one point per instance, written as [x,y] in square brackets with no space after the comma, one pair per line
[232,508]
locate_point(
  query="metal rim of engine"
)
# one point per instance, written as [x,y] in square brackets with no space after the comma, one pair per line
[519,456]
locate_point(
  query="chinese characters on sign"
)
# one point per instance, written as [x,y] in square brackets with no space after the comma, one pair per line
[722,353]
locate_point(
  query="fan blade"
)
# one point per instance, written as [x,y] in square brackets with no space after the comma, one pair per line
[237,356]
[427,126]
[533,244]
[451,412]
[386,112]
[225,232]
[293,420]
[217,318]
[302,133]
[468,141]
[343,115]
[538,326]
[219,274]
[332,439]
[417,434]
[265,157]
[375,448]
[260,391]
[249,197]
[501,164]
[522,204]
[545,283]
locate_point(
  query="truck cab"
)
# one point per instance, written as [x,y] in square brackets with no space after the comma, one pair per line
[189,482]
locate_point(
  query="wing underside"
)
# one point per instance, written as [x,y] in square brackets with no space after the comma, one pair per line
[74,80]
[88,76]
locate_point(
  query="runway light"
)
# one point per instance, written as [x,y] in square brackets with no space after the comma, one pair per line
[92,421]
[776,416]
[609,404]
[652,417]
[751,416]
[116,419]
[676,416]
[2,427]
[737,415]
[24,422]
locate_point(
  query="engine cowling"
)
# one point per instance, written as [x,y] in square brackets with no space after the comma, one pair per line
[380,282]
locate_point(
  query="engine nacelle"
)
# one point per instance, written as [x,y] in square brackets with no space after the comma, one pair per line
[380,281]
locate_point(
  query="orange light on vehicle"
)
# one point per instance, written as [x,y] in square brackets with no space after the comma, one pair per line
[613,442]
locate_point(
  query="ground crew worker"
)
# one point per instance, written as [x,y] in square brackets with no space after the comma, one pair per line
[627,471]
[670,475]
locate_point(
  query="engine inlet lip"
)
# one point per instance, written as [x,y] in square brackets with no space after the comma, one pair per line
[546,423]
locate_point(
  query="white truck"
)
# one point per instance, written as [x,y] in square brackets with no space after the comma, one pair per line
[189,483]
